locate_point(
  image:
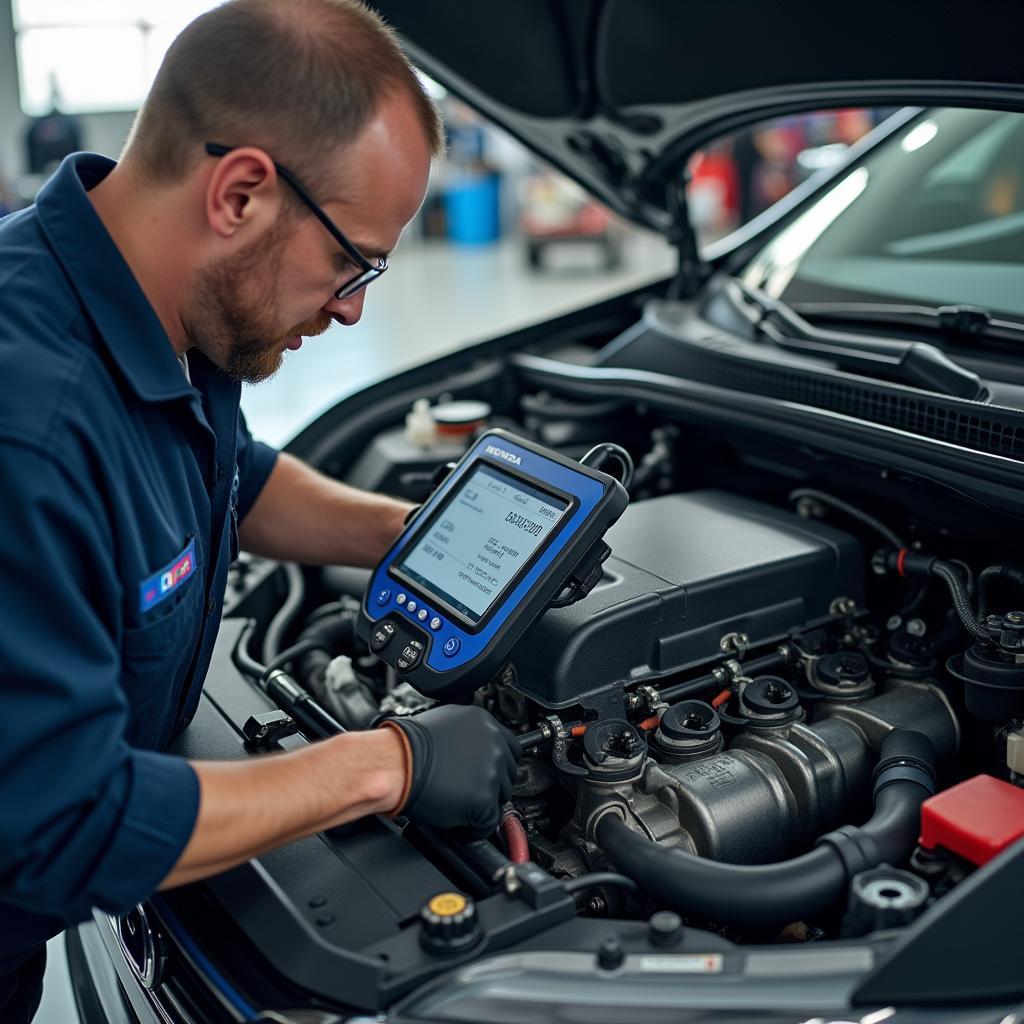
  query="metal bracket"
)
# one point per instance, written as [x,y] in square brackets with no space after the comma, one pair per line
[263,732]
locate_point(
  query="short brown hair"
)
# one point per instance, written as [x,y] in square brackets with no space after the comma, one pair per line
[298,78]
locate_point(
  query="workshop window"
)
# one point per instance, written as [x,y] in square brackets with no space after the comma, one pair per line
[93,55]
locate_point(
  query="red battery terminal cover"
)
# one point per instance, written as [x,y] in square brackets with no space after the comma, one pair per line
[977,818]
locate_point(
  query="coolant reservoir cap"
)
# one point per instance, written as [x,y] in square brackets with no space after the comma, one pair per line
[448,923]
[460,417]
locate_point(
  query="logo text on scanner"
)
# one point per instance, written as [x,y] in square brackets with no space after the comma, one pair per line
[502,454]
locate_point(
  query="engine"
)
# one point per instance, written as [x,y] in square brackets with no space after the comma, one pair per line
[727,699]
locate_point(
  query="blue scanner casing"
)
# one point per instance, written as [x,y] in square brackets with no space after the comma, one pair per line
[440,645]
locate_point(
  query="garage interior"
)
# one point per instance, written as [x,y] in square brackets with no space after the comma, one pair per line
[500,243]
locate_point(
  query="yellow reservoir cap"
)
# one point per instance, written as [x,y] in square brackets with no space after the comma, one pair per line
[447,904]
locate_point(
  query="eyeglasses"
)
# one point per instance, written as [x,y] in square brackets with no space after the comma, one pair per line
[367,271]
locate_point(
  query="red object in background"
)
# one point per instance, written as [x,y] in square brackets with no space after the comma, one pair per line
[717,165]
[976,819]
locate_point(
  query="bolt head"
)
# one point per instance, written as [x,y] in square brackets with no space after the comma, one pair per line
[665,928]
[610,953]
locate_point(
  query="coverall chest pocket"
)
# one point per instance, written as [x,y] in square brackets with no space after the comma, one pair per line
[157,652]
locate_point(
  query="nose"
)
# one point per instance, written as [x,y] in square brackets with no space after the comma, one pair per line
[348,310]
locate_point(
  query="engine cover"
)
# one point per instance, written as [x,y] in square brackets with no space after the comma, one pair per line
[685,570]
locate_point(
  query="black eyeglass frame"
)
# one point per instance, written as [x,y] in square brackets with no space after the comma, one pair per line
[368,272]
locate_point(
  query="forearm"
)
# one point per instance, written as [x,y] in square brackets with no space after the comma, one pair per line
[303,516]
[249,807]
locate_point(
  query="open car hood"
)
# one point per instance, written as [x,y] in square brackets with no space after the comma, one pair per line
[618,93]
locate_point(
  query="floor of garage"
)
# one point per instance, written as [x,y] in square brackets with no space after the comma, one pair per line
[436,298]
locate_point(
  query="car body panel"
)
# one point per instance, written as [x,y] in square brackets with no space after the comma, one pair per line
[618,93]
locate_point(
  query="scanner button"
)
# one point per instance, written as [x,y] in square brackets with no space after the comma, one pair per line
[422,614]
[452,646]
[400,598]
[411,607]
[411,654]
[382,636]
[436,623]
[383,595]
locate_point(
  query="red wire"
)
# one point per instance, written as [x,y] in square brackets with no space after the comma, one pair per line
[721,698]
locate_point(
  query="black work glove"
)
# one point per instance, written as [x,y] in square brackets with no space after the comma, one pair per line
[461,770]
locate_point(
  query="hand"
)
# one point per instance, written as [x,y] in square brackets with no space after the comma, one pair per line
[463,764]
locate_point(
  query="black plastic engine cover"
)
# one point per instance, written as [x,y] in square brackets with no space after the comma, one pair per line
[685,570]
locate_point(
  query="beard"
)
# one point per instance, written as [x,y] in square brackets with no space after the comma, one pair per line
[243,337]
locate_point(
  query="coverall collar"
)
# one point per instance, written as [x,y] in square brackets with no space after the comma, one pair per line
[125,320]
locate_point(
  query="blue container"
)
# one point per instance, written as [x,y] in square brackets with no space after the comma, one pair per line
[471,208]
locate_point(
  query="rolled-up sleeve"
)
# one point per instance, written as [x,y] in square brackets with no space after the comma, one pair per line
[85,819]
[255,462]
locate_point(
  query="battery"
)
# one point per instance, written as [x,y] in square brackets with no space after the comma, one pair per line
[976,819]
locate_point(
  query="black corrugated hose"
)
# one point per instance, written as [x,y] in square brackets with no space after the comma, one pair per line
[961,602]
[802,888]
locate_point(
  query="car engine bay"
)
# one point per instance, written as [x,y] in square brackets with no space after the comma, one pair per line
[775,719]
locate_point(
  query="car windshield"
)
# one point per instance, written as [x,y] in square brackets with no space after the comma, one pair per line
[934,216]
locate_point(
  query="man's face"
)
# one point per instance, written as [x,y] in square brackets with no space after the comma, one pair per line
[249,307]
[236,319]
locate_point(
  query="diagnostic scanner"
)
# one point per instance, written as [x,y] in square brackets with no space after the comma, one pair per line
[510,529]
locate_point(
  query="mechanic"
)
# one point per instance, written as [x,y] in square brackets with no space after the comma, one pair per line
[136,299]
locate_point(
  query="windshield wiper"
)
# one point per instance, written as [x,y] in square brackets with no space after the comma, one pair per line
[911,362]
[955,323]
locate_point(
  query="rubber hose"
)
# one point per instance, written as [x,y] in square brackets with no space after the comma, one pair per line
[803,887]
[296,587]
[850,510]
[961,602]
[331,635]
[515,838]
[739,894]
[1009,572]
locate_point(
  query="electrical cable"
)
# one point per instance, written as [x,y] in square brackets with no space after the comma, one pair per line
[851,510]
[597,456]
[607,878]
[295,593]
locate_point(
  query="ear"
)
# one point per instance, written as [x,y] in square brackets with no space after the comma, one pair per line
[242,192]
